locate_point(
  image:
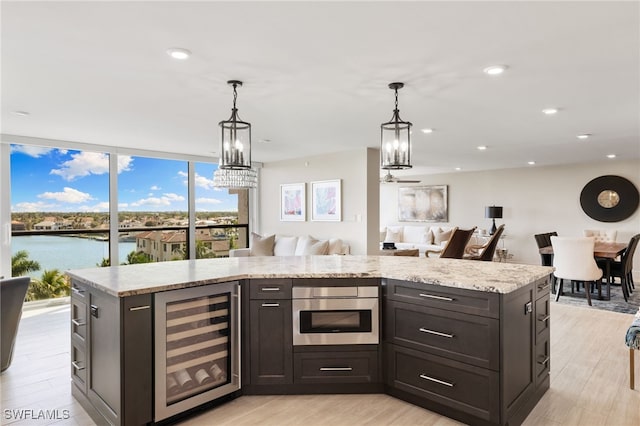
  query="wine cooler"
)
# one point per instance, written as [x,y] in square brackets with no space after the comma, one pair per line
[197,353]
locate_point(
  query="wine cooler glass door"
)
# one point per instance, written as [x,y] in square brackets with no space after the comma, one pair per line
[196,347]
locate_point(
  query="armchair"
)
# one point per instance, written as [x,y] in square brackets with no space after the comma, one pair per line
[12,293]
[485,251]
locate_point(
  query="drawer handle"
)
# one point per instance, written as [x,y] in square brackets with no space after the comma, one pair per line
[270,289]
[442,382]
[76,365]
[78,323]
[431,296]
[544,361]
[543,319]
[336,369]
[139,308]
[77,291]
[270,305]
[544,287]
[437,333]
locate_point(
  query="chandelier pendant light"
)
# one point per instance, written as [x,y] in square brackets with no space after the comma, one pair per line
[234,168]
[395,145]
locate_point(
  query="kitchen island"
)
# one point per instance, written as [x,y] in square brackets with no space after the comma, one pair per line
[467,339]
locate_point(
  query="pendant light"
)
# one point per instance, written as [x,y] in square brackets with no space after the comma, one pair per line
[395,145]
[234,169]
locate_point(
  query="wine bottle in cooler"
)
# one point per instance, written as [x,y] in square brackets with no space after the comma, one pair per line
[184,379]
[202,377]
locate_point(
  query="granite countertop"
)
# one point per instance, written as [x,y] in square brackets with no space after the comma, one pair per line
[129,280]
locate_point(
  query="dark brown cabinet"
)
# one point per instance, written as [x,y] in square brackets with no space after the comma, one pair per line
[270,332]
[111,355]
[478,357]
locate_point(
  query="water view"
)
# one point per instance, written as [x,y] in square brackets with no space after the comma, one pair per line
[63,253]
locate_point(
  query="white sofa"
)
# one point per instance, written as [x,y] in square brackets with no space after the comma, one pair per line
[421,237]
[283,245]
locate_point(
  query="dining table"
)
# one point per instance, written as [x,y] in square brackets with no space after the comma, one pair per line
[607,251]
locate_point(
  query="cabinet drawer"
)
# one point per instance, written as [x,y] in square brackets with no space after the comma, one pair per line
[78,291]
[452,299]
[467,338]
[543,319]
[270,289]
[335,367]
[463,387]
[543,358]
[78,320]
[543,287]
[79,367]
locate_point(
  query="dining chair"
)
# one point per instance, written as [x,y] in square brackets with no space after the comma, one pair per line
[484,251]
[624,268]
[454,249]
[573,260]
[544,240]
[602,235]
[12,293]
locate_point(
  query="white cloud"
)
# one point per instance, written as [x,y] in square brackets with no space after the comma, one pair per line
[200,181]
[208,201]
[165,200]
[87,163]
[100,207]
[155,188]
[30,150]
[68,195]
[32,207]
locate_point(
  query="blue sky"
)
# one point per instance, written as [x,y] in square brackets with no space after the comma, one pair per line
[58,180]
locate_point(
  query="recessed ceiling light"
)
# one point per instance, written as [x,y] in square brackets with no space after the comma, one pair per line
[584,136]
[611,156]
[531,163]
[550,111]
[458,168]
[495,69]
[21,113]
[264,140]
[427,130]
[178,53]
[482,147]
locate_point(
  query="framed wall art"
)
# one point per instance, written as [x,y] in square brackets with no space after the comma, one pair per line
[293,202]
[326,202]
[423,204]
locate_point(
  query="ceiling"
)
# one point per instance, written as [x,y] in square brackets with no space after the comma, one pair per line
[316,76]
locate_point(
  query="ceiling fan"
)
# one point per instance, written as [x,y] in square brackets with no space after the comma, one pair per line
[389,178]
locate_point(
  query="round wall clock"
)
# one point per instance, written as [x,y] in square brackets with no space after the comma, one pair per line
[609,198]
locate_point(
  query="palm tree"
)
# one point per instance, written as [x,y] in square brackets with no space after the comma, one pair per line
[105,262]
[22,265]
[51,284]
[138,257]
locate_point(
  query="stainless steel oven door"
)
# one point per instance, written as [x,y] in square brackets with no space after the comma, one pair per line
[322,321]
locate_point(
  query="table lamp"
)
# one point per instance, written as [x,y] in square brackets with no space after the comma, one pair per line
[493,212]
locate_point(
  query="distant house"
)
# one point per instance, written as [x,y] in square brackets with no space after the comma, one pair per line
[18,226]
[171,245]
[46,225]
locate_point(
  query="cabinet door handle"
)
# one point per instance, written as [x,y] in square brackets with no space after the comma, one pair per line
[76,365]
[270,305]
[544,286]
[437,333]
[270,289]
[432,296]
[139,308]
[543,319]
[77,291]
[78,323]
[441,382]
[544,361]
[336,369]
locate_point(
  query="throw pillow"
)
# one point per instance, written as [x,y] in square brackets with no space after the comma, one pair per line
[285,246]
[440,237]
[393,236]
[316,247]
[428,237]
[261,246]
[335,246]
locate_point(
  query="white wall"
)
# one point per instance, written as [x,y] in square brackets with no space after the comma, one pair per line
[358,170]
[535,200]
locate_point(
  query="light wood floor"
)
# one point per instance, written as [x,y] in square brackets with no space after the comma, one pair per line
[589,382]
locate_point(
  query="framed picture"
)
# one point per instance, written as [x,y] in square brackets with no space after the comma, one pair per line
[423,204]
[293,202]
[326,200]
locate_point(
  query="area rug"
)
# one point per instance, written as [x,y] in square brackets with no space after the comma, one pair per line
[616,304]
